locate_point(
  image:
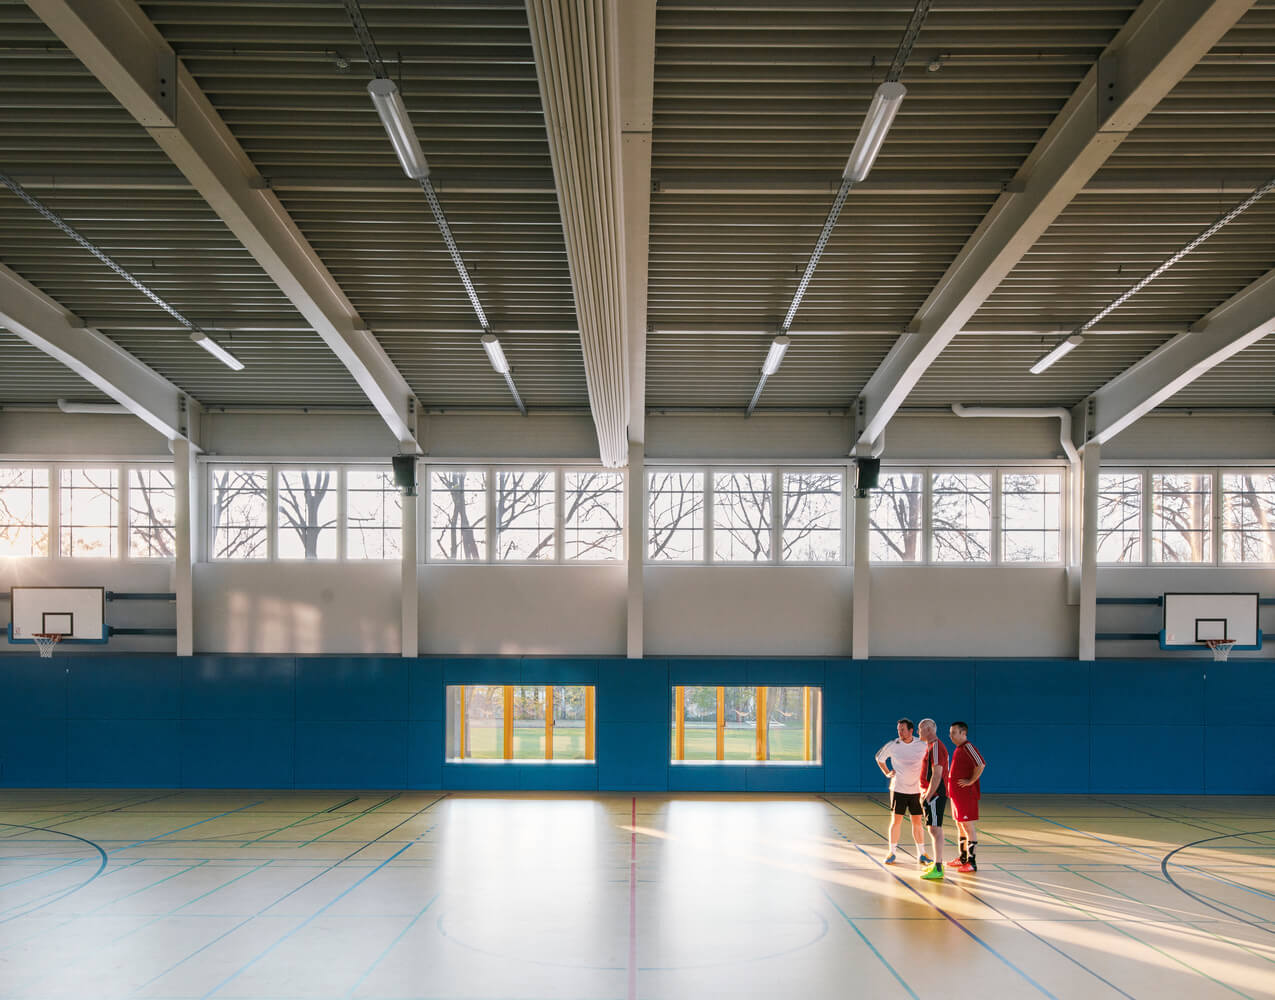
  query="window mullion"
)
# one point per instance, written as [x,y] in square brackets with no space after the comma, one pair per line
[708,515]
[342,510]
[776,516]
[122,505]
[559,515]
[272,513]
[927,517]
[493,538]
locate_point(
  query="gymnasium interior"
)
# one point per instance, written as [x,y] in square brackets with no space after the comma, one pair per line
[481,480]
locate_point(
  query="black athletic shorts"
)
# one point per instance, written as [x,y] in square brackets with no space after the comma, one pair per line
[934,810]
[905,802]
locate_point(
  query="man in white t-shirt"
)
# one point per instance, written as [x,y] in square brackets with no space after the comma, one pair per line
[906,756]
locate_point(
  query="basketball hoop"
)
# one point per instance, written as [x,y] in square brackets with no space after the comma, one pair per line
[1221,648]
[46,641]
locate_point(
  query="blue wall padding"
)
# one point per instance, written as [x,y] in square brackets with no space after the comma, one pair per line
[134,721]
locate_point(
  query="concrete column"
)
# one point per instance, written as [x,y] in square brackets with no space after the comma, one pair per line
[862,579]
[186,490]
[634,499]
[1089,553]
[411,595]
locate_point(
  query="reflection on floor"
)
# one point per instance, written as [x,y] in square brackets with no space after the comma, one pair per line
[358,894]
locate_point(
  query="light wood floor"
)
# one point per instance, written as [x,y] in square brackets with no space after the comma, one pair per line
[366,894]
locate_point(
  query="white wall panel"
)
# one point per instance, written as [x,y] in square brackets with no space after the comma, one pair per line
[79,435]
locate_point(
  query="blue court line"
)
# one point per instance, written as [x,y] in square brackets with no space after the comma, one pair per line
[306,922]
[188,826]
[864,938]
[398,937]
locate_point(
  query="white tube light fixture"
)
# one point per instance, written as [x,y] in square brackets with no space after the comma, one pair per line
[775,356]
[217,351]
[398,126]
[1061,351]
[66,406]
[885,105]
[495,354]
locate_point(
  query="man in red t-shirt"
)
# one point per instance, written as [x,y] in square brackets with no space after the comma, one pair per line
[963,789]
[933,792]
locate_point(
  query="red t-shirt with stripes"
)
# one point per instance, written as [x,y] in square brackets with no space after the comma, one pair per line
[935,759]
[965,759]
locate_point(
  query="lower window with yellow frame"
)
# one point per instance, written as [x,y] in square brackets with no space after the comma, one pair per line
[520,722]
[779,725]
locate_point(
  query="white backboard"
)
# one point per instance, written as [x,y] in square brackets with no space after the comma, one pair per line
[1190,619]
[74,612]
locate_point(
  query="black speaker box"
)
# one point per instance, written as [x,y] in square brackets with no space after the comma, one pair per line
[405,473]
[869,475]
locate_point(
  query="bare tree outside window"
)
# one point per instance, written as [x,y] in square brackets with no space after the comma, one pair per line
[741,516]
[812,516]
[1248,517]
[458,515]
[1120,517]
[675,516]
[1031,517]
[961,516]
[152,514]
[90,512]
[593,515]
[373,515]
[1181,517]
[239,514]
[895,518]
[526,509]
[307,508]
[24,511]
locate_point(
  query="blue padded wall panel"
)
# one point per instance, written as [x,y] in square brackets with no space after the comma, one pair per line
[706,778]
[633,756]
[123,753]
[841,692]
[1153,760]
[1022,757]
[633,691]
[425,755]
[841,757]
[1171,693]
[783,779]
[238,687]
[351,755]
[32,688]
[122,687]
[559,670]
[1056,690]
[895,689]
[1239,691]
[558,777]
[1229,768]
[238,753]
[482,670]
[495,777]
[425,684]
[785,673]
[33,753]
[352,689]
[708,671]
[871,738]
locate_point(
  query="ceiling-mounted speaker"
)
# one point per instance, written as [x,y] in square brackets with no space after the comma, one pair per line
[405,473]
[869,475]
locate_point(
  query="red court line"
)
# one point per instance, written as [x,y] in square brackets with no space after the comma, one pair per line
[632,995]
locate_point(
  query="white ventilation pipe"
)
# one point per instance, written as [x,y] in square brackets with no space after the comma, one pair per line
[66,406]
[1061,412]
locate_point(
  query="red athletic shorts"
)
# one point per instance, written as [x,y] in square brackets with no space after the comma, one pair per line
[964,807]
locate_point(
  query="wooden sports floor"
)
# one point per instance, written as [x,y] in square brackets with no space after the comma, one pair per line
[155,894]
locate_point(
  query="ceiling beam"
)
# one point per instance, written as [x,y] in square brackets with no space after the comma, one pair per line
[121,47]
[1239,322]
[44,324]
[576,46]
[1159,45]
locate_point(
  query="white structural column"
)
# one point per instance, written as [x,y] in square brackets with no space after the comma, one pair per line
[185,528]
[126,52]
[635,503]
[1161,42]
[576,45]
[44,324]
[1089,552]
[1240,322]
[862,594]
[411,589]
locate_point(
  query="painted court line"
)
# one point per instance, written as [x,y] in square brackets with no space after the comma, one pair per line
[632,977]
[864,938]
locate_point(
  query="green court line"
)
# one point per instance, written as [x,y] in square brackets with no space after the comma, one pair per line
[1131,937]
[360,815]
[303,819]
[79,814]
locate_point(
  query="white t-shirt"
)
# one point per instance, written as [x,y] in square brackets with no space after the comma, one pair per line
[906,760]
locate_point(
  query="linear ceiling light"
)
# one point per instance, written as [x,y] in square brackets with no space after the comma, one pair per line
[398,126]
[775,356]
[496,355]
[885,105]
[217,351]
[1061,351]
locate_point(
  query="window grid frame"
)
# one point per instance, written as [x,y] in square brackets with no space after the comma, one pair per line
[126,504]
[121,511]
[277,469]
[1144,539]
[1063,515]
[1215,514]
[50,489]
[625,480]
[844,523]
[1220,519]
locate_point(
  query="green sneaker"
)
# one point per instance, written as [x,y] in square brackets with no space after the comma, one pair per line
[933,873]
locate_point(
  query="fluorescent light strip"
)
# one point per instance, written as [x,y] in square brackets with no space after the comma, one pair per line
[1061,351]
[775,356]
[217,351]
[398,126]
[495,354]
[885,105]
